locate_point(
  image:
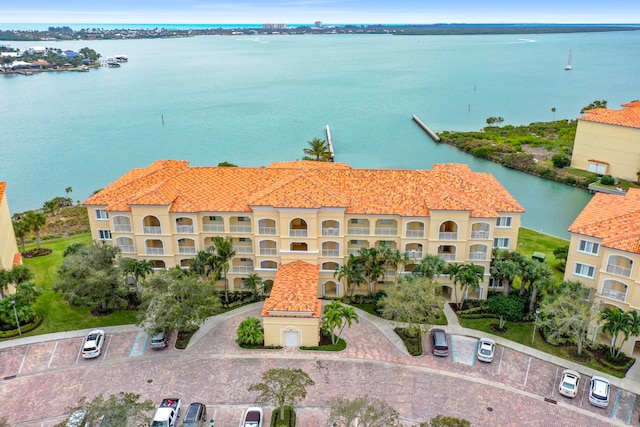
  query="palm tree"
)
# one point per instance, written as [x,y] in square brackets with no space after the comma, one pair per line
[250,331]
[372,267]
[141,269]
[318,150]
[539,278]
[504,271]
[68,190]
[35,221]
[337,315]
[21,228]
[454,270]
[470,276]
[353,274]
[430,266]
[224,253]
[254,283]
[615,321]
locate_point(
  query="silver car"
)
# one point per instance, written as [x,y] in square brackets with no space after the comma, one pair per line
[486,349]
[599,390]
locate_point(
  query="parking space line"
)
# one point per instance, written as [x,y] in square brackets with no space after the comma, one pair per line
[475,354]
[633,405]
[500,365]
[133,346]
[79,352]
[106,350]
[24,357]
[584,388]
[146,344]
[52,354]
[453,353]
[615,405]
[527,376]
[553,387]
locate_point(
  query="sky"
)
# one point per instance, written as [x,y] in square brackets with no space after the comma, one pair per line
[327,11]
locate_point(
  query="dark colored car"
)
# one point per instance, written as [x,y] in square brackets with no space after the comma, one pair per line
[439,340]
[196,415]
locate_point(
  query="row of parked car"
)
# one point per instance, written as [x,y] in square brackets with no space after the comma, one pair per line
[599,387]
[94,341]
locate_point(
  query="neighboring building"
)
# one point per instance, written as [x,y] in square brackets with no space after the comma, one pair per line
[315,212]
[604,251]
[608,142]
[291,315]
[9,254]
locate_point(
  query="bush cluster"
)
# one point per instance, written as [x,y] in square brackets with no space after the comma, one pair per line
[28,327]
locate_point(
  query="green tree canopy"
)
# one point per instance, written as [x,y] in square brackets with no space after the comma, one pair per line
[250,332]
[506,307]
[122,409]
[318,150]
[337,316]
[282,387]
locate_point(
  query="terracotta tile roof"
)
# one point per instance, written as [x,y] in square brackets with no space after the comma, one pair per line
[602,162]
[17,259]
[3,187]
[294,291]
[629,116]
[614,219]
[310,185]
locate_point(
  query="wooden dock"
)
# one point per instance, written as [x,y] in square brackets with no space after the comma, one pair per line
[330,143]
[425,128]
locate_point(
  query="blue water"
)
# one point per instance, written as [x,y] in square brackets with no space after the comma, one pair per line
[253,100]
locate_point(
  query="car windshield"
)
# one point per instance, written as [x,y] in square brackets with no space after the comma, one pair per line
[599,392]
[486,351]
[89,348]
[567,384]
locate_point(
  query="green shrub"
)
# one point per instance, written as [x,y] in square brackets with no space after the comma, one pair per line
[413,343]
[289,417]
[485,152]
[607,180]
[28,327]
[560,161]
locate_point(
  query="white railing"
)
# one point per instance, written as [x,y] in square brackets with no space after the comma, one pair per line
[414,254]
[358,231]
[244,249]
[478,255]
[151,230]
[415,233]
[298,233]
[446,235]
[184,229]
[479,234]
[267,231]
[127,249]
[352,251]
[154,251]
[327,231]
[618,270]
[331,252]
[243,269]
[389,273]
[447,257]
[186,249]
[213,228]
[241,229]
[268,251]
[122,228]
[616,295]
[386,231]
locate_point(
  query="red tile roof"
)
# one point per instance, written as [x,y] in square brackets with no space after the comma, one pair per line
[17,259]
[308,184]
[614,219]
[629,116]
[294,292]
[3,187]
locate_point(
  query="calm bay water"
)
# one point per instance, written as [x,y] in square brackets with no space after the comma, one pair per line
[251,100]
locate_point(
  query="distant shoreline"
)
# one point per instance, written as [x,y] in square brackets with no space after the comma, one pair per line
[147,31]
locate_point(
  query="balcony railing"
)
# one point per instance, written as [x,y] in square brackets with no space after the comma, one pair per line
[414,254]
[243,269]
[213,228]
[298,233]
[241,229]
[478,255]
[122,228]
[616,295]
[479,234]
[446,235]
[244,249]
[151,230]
[386,231]
[389,273]
[268,251]
[447,257]
[618,270]
[329,231]
[182,229]
[127,249]
[267,231]
[154,251]
[415,233]
[186,249]
[353,251]
[358,231]
[331,252]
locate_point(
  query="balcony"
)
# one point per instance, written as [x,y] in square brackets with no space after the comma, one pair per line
[482,256]
[244,249]
[329,231]
[268,251]
[155,251]
[419,234]
[616,295]
[298,233]
[184,229]
[414,254]
[447,257]
[127,249]
[448,235]
[331,253]
[122,228]
[386,231]
[479,234]
[267,231]
[213,228]
[358,231]
[619,270]
[243,269]
[240,229]
[353,251]
[147,229]
[187,250]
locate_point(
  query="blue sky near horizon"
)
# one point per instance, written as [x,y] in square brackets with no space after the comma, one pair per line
[327,11]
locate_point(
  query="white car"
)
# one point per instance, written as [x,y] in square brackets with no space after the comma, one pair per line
[253,418]
[486,348]
[77,419]
[569,383]
[92,346]
[599,390]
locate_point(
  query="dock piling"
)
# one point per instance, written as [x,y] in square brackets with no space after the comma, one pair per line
[426,128]
[330,143]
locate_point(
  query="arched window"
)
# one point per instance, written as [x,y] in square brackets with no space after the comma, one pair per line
[298,228]
[151,225]
[448,231]
[126,245]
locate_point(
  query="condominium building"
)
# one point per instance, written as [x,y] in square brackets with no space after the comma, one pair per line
[315,212]
[604,251]
[9,254]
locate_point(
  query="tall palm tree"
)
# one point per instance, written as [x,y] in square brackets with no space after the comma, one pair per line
[254,283]
[141,269]
[504,271]
[430,266]
[318,150]
[615,321]
[469,277]
[372,267]
[21,228]
[224,253]
[353,274]
[36,221]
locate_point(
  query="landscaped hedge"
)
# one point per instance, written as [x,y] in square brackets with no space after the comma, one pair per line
[289,417]
[37,321]
[479,316]
[413,344]
[338,346]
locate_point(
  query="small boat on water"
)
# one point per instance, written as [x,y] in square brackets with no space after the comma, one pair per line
[121,58]
[569,67]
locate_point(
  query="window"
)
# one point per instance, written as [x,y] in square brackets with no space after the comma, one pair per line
[501,242]
[357,242]
[244,239]
[356,221]
[243,219]
[584,270]
[589,247]
[503,222]
[387,222]
[104,234]
[215,218]
[101,214]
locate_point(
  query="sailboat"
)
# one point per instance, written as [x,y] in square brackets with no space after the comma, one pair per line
[569,67]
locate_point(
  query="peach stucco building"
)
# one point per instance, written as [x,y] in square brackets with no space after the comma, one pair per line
[608,142]
[307,211]
[9,254]
[604,251]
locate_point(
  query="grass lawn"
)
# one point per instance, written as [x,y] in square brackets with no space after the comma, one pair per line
[58,315]
[530,241]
